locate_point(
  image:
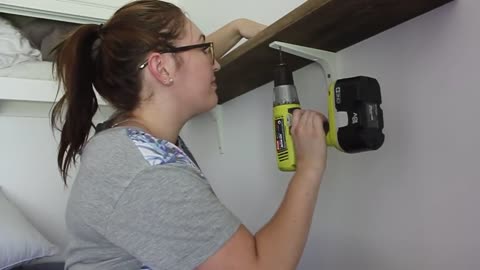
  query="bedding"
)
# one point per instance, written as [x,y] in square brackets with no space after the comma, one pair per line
[43,34]
[15,48]
[20,241]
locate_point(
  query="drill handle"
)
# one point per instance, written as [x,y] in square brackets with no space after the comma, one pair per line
[326,125]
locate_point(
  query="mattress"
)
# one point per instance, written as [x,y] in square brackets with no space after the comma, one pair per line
[36,70]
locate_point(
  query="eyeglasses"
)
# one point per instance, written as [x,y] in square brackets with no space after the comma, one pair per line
[205,46]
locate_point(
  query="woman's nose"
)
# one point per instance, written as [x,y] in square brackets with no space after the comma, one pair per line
[216,66]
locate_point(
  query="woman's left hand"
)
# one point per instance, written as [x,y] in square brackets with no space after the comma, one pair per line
[248,28]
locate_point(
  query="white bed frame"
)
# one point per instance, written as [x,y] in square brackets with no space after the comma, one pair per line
[32,95]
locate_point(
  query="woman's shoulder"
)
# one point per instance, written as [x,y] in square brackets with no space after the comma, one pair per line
[157,151]
[135,143]
[111,141]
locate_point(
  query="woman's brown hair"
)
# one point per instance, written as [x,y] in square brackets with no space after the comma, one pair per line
[107,57]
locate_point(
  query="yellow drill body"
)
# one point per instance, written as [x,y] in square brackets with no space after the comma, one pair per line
[282,119]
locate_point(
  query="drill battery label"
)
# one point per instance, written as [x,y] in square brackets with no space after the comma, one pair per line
[280,135]
[372,115]
[338,95]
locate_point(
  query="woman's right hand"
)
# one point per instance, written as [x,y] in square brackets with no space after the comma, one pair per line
[309,140]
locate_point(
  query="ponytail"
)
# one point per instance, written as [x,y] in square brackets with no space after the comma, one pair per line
[74,68]
[108,58]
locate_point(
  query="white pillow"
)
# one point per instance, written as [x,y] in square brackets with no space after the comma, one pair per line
[15,47]
[20,242]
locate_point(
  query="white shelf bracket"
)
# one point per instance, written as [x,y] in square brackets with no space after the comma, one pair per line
[217,114]
[326,59]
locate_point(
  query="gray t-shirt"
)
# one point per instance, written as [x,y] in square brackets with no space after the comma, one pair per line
[137,201]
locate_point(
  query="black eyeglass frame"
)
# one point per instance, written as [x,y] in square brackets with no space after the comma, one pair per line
[205,45]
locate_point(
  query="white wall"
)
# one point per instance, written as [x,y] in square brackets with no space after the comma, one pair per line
[411,205]
[28,172]
[213,14]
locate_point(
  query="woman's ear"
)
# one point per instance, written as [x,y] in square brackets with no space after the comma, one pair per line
[161,67]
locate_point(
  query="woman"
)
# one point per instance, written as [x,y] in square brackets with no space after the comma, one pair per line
[139,199]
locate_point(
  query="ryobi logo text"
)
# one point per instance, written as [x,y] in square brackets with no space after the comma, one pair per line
[338,99]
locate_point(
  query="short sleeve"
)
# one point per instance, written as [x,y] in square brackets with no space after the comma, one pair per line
[169,218]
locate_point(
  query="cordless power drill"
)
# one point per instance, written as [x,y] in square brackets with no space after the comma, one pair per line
[355,119]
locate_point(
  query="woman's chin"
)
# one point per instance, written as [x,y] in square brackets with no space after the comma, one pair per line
[213,99]
[216,98]
[212,103]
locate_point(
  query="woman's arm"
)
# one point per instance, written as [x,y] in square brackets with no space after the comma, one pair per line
[227,36]
[280,243]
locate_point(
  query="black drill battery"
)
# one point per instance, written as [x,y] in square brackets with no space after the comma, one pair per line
[360,97]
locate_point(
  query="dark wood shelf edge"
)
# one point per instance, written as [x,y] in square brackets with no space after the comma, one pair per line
[330,25]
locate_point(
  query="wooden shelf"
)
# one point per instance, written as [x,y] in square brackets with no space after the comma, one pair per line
[330,25]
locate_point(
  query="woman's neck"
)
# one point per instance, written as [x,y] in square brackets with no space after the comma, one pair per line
[164,124]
